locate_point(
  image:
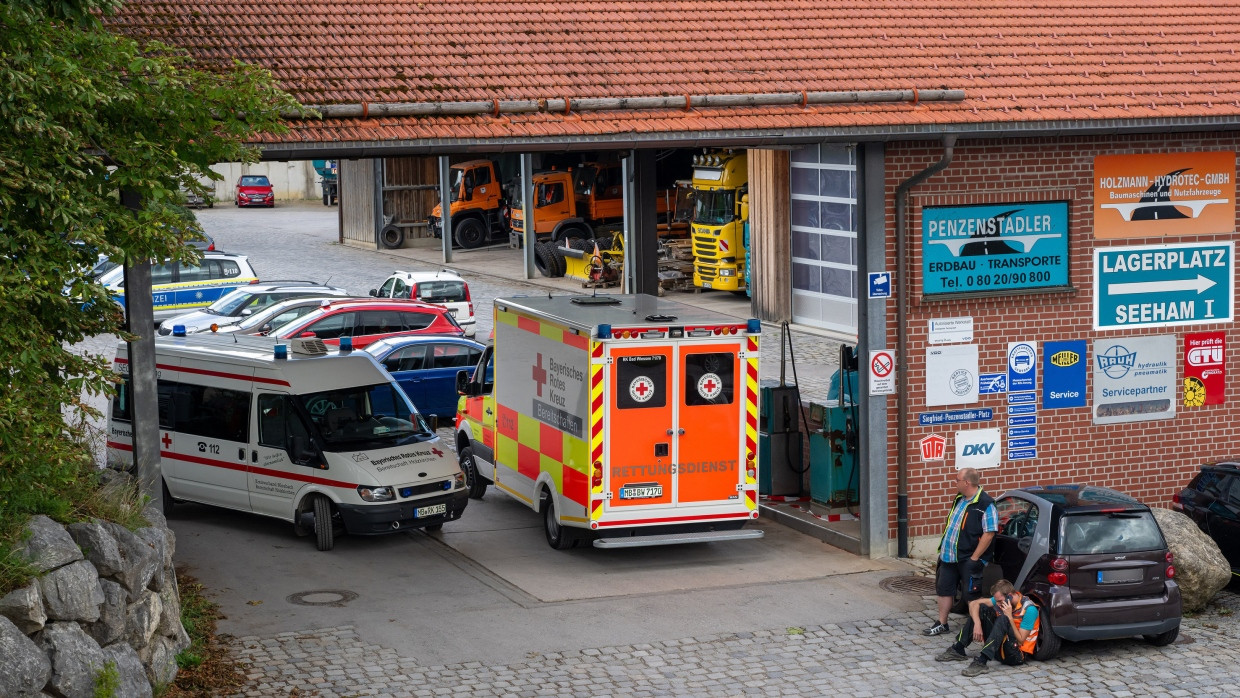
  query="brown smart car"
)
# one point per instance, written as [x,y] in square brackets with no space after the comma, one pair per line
[1093,559]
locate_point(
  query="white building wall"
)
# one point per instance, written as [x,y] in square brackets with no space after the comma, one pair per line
[290,180]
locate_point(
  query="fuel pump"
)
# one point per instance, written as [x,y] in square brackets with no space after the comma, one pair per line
[833,446]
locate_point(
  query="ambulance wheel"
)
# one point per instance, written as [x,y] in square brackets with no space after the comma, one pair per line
[557,537]
[477,484]
[169,502]
[324,536]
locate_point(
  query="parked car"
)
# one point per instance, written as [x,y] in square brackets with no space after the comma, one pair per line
[273,316]
[1212,499]
[106,264]
[426,368]
[177,287]
[1093,559]
[195,200]
[444,287]
[365,321]
[245,301]
[254,190]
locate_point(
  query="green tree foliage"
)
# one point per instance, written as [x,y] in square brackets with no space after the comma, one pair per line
[85,113]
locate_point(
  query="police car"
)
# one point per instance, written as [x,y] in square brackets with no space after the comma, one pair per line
[177,286]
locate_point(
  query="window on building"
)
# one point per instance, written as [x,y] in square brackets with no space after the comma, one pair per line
[824,237]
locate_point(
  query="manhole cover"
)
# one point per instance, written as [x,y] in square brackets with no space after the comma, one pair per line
[920,586]
[322,597]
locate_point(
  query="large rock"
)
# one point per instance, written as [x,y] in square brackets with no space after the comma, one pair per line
[157,538]
[1200,568]
[129,669]
[49,545]
[25,608]
[111,624]
[98,545]
[72,592]
[24,669]
[76,659]
[170,619]
[162,669]
[141,561]
[142,619]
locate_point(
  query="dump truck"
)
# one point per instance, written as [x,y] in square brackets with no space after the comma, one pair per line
[720,188]
[624,420]
[478,206]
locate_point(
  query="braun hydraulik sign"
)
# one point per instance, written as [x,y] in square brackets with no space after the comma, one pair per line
[996,247]
[1163,285]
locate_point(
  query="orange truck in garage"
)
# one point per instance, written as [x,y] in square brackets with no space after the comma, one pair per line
[627,420]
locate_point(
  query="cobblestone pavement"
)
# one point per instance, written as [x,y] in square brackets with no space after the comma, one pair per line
[884,657]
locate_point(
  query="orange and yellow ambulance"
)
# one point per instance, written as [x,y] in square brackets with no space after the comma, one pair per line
[628,420]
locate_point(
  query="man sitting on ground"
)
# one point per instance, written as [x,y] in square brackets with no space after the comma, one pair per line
[1007,624]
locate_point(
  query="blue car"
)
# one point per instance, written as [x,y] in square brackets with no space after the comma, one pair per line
[426,368]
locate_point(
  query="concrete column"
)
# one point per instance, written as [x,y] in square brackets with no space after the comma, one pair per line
[872,321]
[445,206]
[527,214]
[641,233]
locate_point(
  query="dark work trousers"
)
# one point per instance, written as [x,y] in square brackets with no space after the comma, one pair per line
[1000,640]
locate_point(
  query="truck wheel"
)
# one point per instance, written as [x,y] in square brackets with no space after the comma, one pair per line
[470,233]
[557,257]
[1162,639]
[543,261]
[557,537]
[323,533]
[1048,641]
[583,244]
[473,478]
[391,237]
[327,199]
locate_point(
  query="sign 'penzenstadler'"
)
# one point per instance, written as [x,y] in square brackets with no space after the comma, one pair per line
[994,247]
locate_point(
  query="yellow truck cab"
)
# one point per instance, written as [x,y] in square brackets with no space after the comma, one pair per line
[628,420]
[478,206]
[720,188]
[286,428]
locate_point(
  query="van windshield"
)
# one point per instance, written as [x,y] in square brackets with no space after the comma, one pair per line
[370,416]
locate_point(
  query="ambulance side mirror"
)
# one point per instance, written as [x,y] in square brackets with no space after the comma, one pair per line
[301,450]
[464,385]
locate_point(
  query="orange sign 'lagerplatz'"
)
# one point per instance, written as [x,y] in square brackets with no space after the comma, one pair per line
[1164,194]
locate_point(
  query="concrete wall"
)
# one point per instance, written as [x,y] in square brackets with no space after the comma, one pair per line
[1150,460]
[290,180]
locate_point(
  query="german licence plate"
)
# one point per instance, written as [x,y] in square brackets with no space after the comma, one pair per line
[1120,576]
[642,492]
[435,510]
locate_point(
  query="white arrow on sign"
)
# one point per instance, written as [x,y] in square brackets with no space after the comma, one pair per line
[1200,284]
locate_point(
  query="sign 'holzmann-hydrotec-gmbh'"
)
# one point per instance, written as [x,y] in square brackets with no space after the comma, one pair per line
[1163,285]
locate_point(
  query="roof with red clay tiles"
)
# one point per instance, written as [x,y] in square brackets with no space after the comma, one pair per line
[1019,63]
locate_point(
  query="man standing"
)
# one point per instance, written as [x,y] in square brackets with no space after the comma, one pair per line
[1007,624]
[964,548]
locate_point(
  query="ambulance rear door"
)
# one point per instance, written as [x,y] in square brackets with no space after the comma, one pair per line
[709,414]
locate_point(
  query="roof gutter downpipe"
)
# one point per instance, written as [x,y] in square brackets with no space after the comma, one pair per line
[949,143]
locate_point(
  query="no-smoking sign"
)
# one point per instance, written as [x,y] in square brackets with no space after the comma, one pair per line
[882,372]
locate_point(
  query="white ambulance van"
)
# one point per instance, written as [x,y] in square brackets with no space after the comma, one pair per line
[626,420]
[285,428]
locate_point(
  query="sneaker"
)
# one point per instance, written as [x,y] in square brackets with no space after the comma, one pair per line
[951,654]
[936,629]
[976,668]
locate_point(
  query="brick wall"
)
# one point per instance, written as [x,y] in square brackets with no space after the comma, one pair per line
[1149,460]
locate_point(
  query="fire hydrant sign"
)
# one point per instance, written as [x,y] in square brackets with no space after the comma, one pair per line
[1163,285]
[1205,368]
[882,372]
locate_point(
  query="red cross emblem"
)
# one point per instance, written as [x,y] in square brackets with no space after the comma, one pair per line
[437,452]
[641,389]
[540,375]
[167,440]
[709,386]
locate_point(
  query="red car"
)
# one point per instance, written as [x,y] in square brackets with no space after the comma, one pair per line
[368,320]
[254,190]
